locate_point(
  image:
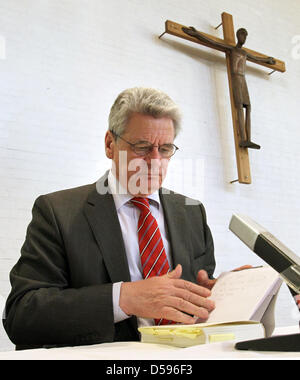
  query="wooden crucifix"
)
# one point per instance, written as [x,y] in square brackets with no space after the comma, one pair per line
[236,57]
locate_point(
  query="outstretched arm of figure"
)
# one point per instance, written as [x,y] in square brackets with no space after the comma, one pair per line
[269,60]
[191,31]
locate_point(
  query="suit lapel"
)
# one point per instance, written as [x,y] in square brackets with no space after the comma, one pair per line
[102,216]
[177,225]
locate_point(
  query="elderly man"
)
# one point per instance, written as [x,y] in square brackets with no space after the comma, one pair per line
[102,259]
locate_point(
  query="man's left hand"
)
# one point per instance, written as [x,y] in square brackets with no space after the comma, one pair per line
[206,282]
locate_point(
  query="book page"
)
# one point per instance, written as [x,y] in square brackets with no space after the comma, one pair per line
[238,295]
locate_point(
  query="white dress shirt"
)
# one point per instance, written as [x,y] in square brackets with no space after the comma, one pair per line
[128,215]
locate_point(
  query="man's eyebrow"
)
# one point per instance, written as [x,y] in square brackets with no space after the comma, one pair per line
[143,141]
[148,142]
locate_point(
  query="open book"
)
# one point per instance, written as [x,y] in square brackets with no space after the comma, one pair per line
[245,302]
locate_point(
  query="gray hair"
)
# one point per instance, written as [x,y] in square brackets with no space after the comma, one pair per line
[147,101]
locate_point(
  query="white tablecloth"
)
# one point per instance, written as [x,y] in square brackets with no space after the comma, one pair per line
[145,351]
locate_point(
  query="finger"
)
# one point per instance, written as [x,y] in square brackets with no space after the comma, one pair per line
[191,287]
[184,306]
[194,299]
[174,315]
[202,277]
[204,280]
[211,283]
[176,273]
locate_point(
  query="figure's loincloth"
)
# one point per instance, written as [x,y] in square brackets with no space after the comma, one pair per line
[240,90]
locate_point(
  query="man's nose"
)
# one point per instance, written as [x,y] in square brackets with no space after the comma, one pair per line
[154,154]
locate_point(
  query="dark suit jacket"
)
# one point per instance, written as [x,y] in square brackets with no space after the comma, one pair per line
[62,284]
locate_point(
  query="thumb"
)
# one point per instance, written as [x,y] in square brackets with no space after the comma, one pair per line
[203,280]
[176,273]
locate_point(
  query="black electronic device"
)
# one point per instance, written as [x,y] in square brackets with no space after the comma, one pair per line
[283,343]
[284,261]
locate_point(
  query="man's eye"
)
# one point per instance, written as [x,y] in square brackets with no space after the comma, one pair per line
[166,148]
[142,148]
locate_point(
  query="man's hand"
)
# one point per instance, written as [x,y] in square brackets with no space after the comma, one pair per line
[203,280]
[167,297]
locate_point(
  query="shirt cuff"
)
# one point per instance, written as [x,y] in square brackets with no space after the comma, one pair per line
[119,314]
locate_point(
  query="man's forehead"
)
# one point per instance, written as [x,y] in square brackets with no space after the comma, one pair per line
[143,128]
[161,138]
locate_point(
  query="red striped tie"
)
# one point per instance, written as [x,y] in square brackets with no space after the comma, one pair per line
[152,252]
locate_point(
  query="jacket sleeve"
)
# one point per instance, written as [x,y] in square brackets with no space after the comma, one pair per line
[42,309]
[210,262]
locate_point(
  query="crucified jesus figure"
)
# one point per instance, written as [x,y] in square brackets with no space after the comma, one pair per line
[238,57]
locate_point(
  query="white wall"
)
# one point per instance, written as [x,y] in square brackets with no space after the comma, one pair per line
[63,62]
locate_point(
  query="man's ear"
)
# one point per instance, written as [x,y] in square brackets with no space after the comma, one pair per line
[109,145]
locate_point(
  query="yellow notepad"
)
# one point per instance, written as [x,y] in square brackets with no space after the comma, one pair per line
[201,333]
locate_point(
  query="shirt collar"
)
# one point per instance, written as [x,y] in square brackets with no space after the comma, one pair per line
[121,196]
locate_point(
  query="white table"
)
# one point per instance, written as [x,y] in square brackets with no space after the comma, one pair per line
[145,351]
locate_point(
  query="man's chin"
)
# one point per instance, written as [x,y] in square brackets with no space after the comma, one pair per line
[147,185]
[154,183]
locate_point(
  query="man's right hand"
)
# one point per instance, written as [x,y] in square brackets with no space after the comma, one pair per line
[167,297]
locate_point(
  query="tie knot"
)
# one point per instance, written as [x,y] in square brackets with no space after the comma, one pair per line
[141,203]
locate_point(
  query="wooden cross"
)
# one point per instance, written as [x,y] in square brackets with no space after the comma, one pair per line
[175,29]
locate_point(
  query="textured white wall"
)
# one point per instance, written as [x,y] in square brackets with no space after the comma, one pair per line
[63,62]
